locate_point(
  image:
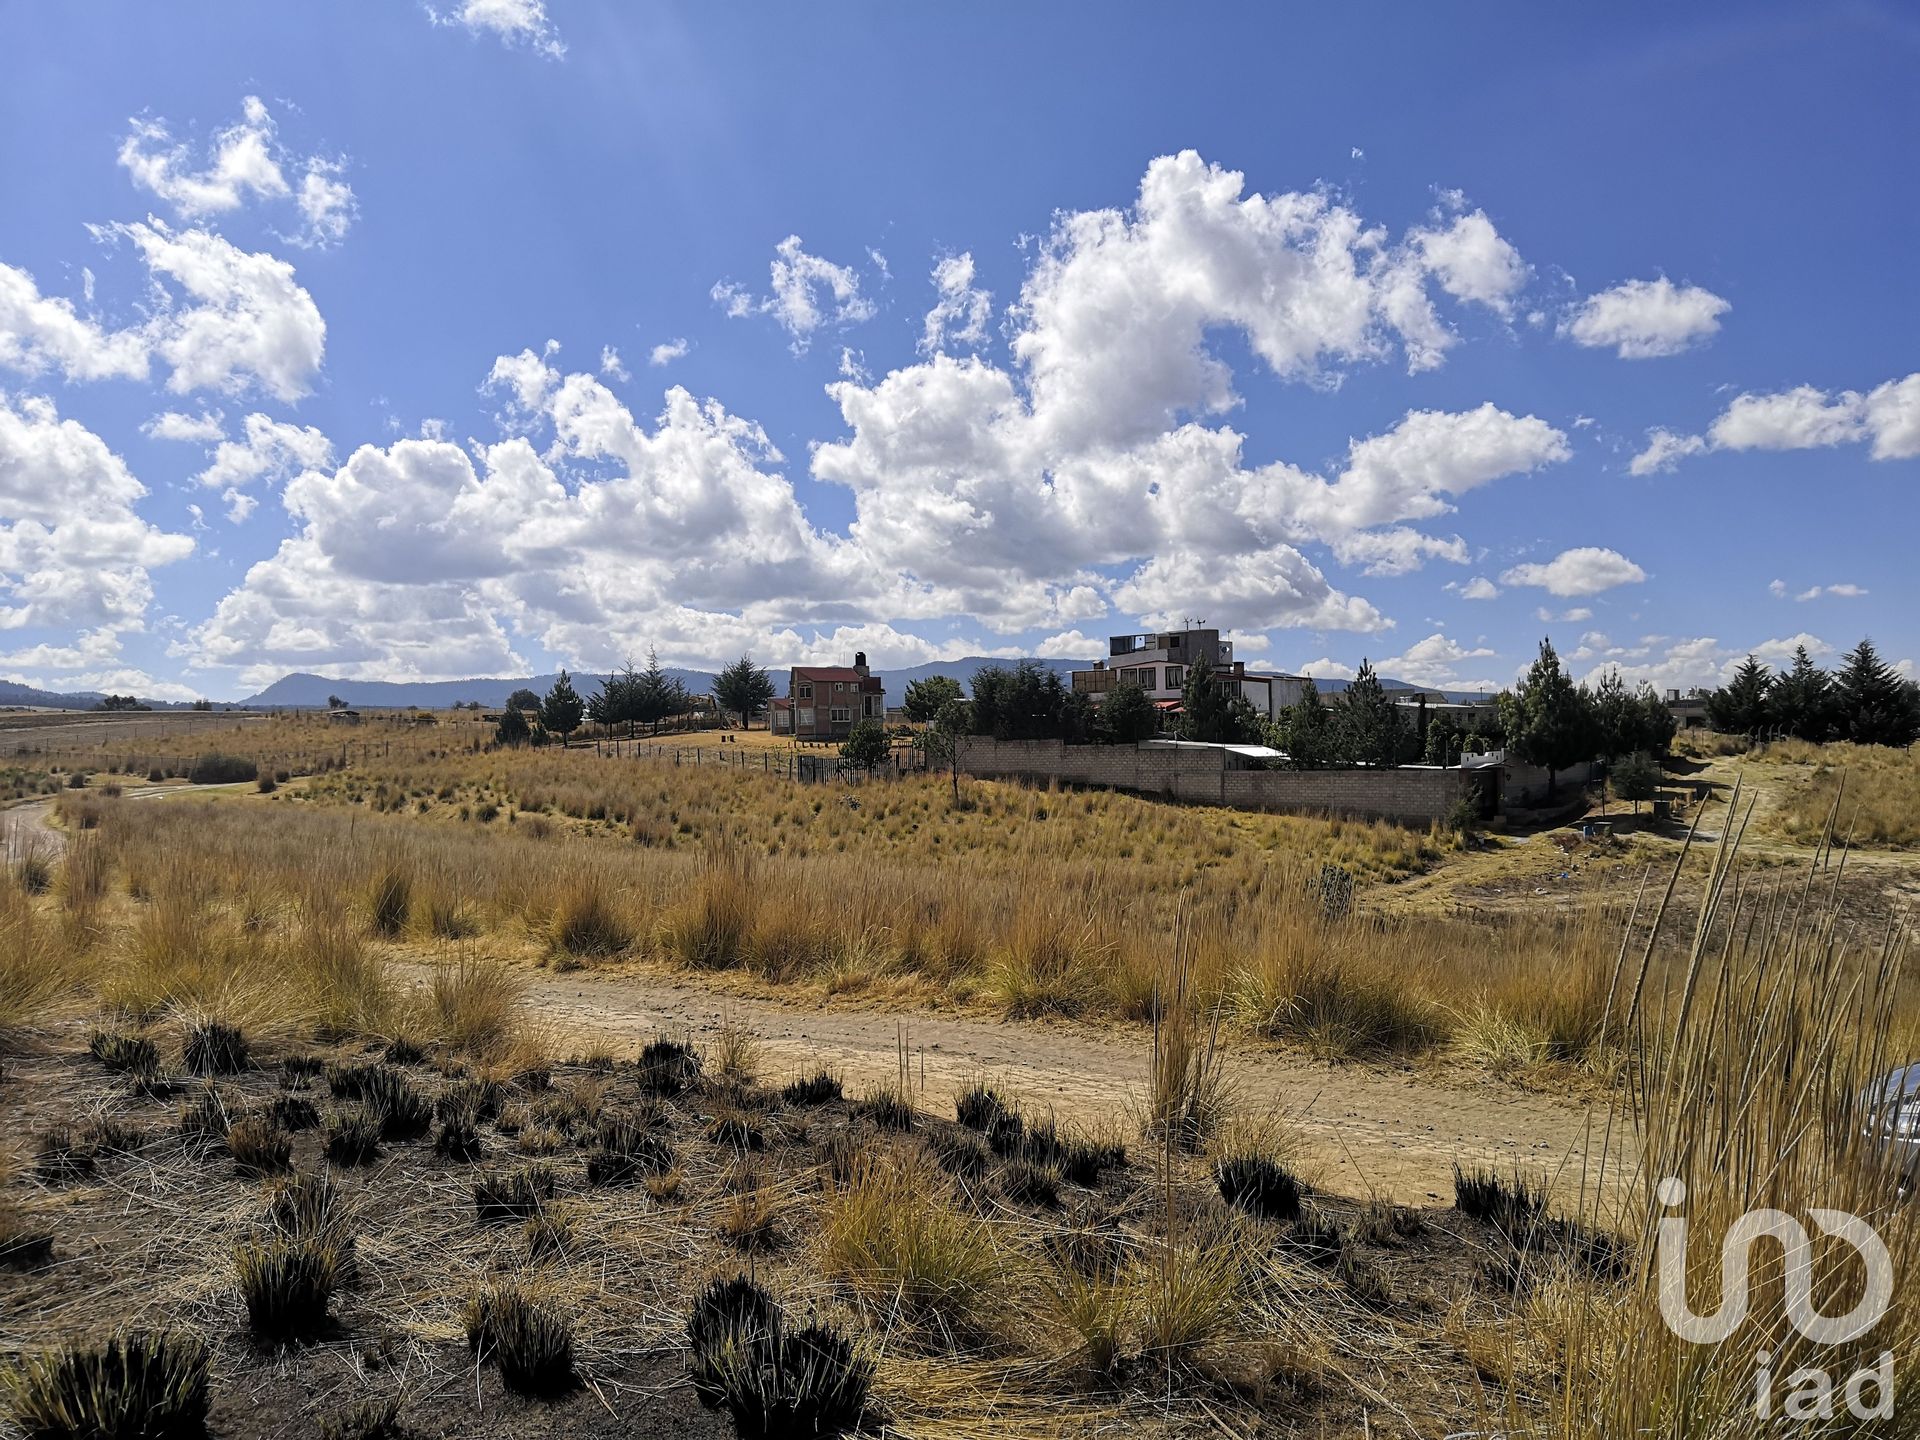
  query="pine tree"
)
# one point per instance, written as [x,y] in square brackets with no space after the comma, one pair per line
[513,727]
[1128,715]
[1370,728]
[865,745]
[1305,732]
[743,688]
[1801,700]
[1616,717]
[1636,777]
[1875,706]
[560,712]
[1548,719]
[1203,705]
[1740,706]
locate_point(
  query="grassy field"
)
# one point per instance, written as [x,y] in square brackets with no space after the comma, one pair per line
[284,1122]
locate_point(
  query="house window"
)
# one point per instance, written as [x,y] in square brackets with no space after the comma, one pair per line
[1175,677]
[1143,677]
[806,717]
[806,691]
[842,715]
[873,704]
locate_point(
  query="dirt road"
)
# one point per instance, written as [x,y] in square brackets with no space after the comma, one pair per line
[1362,1129]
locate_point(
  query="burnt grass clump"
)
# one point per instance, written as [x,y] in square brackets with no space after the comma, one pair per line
[212,1047]
[287,1285]
[888,1108]
[1259,1185]
[626,1150]
[458,1138]
[516,1195]
[203,1119]
[297,1072]
[1514,1207]
[1025,1183]
[293,1113]
[353,1136]
[480,1099]
[131,1388]
[772,1379]
[528,1340]
[366,1420]
[667,1067]
[61,1154]
[977,1107]
[124,1053]
[259,1147]
[820,1088]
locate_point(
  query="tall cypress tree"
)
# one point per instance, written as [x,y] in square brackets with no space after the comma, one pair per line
[1372,729]
[1801,701]
[1875,706]
[1740,706]
[1548,719]
[560,712]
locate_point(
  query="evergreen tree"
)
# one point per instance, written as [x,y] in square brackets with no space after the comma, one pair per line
[1874,705]
[925,697]
[865,745]
[1616,717]
[1740,706]
[1205,713]
[652,695]
[1657,724]
[1371,729]
[1801,700]
[1128,715]
[744,689]
[513,727]
[1636,777]
[1548,719]
[560,712]
[1305,731]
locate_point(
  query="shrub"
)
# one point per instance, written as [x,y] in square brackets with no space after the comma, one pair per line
[123,1052]
[529,1340]
[457,1138]
[353,1136]
[267,785]
[667,1067]
[141,1385]
[820,1088]
[1258,1185]
[213,769]
[259,1148]
[515,1195]
[287,1285]
[293,1113]
[212,1047]
[772,1380]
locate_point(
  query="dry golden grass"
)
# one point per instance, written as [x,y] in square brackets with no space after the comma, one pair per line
[1877,790]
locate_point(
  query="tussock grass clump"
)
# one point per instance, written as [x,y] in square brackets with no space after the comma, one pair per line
[1259,1185]
[978,1106]
[897,1240]
[309,1207]
[528,1339]
[25,1244]
[959,1152]
[1095,1309]
[735,1129]
[353,1136]
[1514,1207]
[259,1147]
[403,1050]
[750,1220]
[820,1088]
[366,1420]
[587,923]
[478,1007]
[123,1052]
[293,1113]
[667,1067]
[715,927]
[390,901]
[1189,1298]
[204,1119]
[1316,1236]
[135,1387]
[887,1106]
[297,1072]
[549,1236]
[287,1285]
[212,1047]
[60,1154]
[1026,1183]
[481,1099]
[516,1195]
[626,1149]
[401,1110]
[458,1138]
[771,1379]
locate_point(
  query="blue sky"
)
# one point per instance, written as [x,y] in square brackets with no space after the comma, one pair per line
[423,341]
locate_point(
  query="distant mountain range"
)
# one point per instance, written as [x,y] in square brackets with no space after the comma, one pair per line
[311,692]
[14,694]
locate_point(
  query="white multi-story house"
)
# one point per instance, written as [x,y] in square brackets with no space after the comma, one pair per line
[1158,664]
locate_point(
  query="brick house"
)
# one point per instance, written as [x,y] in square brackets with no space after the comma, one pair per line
[825,702]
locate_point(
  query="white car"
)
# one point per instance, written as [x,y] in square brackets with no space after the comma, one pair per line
[1893,1118]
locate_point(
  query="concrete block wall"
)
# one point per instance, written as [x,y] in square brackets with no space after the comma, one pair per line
[1412,796]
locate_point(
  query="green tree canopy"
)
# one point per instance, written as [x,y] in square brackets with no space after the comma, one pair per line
[1127,714]
[1740,706]
[560,712]
[1635,777]
[513,728]
[865,745]
[1548,719]
[743,688]
[523,699]
[925,697]
[1371,729]
[1305,731]
[1801,702]
[1876,706]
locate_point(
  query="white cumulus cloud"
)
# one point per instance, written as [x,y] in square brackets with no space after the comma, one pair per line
[1586,570]
[1646,319]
